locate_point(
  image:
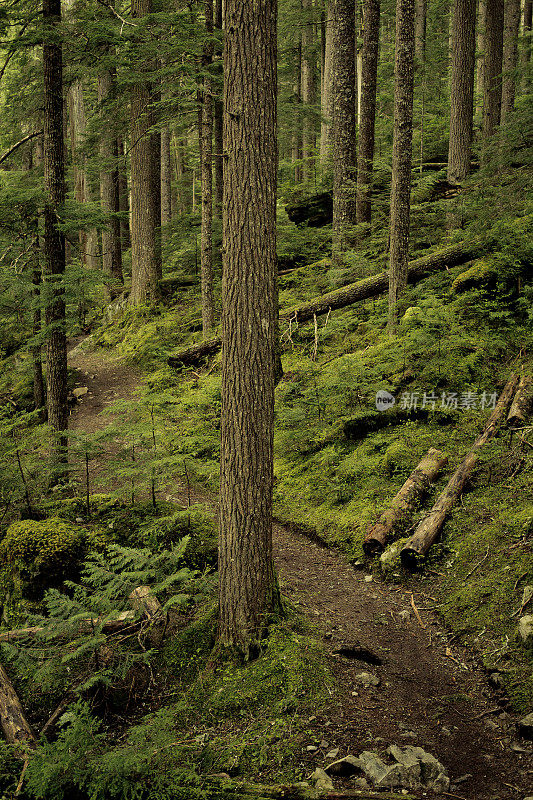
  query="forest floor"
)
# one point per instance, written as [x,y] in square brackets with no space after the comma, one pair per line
[431,693]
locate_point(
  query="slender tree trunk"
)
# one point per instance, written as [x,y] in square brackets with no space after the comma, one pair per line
[39,393]
[206,166]
[480,59]
[510,55]
[308,93]
[145,186]
[492,82]
[327,87]
[123,196]
[344,128]
[166,177]
[462,89]
[218,130]
[296,148]
[420,29]
[156,156]
[109,188]
[247,585]
[54,240]
[401,156]
[527,43]
[369,71]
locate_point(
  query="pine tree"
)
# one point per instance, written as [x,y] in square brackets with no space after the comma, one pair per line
[109,184]
[401,155]
[462,89]
[247,589]
[369,64]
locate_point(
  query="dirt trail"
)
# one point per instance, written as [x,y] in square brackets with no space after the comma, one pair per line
[431,692]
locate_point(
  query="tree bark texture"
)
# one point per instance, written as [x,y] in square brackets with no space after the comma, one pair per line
[39,391]
[54,240]
[218,131]
[511,24]
[308,93]
[15,726]
[405,502]
[296,146]
[367,119]
[522,403]
[462,89]
[401,155]
[344,128]
[347,295]
[145,185]
[327,87]
[428,530]
[247,586]
[123,196]
[527,42]
[206,167]
[109,188]
[166,177]
[420,29]
[492,81]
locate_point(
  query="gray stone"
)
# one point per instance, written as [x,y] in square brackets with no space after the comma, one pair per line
[367,679]
[333,753]
[321,781]
[525,727]
[80,391]
[349,765]
[374,768]
[525,630]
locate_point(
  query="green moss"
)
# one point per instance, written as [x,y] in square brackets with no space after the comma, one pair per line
[398,458]
[197,522]
[481,275]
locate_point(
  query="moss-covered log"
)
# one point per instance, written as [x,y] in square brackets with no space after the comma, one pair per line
[427,532]
[222,787]
[405,502]
[348,295]
[17,730]
[522,403]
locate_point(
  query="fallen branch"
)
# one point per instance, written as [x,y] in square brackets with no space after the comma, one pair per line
[418,545]
[340,298]
[19,144]
[405,502]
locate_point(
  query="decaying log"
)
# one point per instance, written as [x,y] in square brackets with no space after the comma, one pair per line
[522,403]
[347,295]
[143,599]
[83,626]
[16,728]
[227,788]
[428,530]
[405,502]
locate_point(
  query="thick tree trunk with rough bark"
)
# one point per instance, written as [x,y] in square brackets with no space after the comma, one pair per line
[428,530]
[355,292]
[54,240]
[206,168]
[109,189]
[401,155]
[344,128]
[492,82]
[405,502]
[247,585]
[367,119]
[308,93]
[326,102]
[145,186]
[511,24]
[462,89]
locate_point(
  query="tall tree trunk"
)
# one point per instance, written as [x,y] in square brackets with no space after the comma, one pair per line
[344,128]
[145,186]
[527,43]
[462,89]
[296,147]
[401,156]
[492,82]
[206,167]
[39,393]
[109,188]
[327,87]
[480,59]
[247,586]
[166,177]
[308,93]
[218,130]
[367,120]
[511,24]
[54,240]
[123,196]
[420,29]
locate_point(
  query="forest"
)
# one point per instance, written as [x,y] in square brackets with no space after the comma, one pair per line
[266,399]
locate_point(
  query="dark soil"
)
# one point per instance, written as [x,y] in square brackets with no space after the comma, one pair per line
[432,693]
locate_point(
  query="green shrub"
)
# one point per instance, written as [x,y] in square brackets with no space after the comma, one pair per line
[197,523]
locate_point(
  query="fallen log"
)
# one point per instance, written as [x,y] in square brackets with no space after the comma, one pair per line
[16,728]
[347,295]
[523,400]
[84,626]
[227,788]
[404,503]
[418,545]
